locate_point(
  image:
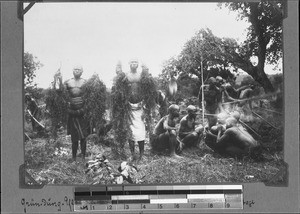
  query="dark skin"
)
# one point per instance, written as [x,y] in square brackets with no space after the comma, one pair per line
[213,104]
[187,132]
[166,131]
[134,78]
[75,91]
[235,141]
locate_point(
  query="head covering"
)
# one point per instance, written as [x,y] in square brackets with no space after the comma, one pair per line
[174,110]
[27,96]
[191,109]
[211,80]
[219,78]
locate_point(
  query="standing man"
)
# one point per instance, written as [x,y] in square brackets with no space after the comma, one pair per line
[77,126]
[212,98]
[136,102]
[188,134]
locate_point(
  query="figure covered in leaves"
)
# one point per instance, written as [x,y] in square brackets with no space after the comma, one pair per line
[133,99]
[77,125]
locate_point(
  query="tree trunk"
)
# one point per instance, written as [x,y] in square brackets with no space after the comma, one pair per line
[260,76]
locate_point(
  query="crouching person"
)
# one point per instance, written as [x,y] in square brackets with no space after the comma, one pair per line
[165,136]
[189,134]
[233,140]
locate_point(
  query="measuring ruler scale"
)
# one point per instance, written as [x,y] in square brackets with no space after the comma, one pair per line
[161,197]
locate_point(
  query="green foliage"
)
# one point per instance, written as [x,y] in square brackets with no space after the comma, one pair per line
[203,49]
[31,64]
[36,93]
[148,90]
[149,94]
[265,31]
[56,104]
[95,101]
[121,113]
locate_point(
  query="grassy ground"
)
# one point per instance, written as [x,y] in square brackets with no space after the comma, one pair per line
[48,160]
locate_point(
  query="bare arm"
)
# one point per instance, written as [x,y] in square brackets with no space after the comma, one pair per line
[166,125]
[182,127]
[224,137]
[228,96]
[242,88]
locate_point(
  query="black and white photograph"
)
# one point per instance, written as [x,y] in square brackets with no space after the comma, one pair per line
[154,93]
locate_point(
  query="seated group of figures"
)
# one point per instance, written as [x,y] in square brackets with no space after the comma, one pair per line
[225,136]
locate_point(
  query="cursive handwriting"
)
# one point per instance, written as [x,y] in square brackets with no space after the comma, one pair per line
[68,202]
[249,203]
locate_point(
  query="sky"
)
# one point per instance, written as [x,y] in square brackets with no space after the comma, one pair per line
[99,35]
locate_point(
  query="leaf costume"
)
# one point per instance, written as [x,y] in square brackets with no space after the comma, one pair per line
[122,109]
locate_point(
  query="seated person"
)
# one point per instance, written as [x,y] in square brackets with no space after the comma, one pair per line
[188,134]
[234,141]
[165,132]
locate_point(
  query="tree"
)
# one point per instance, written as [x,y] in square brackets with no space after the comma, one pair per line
[31,64]
[206,48]
[264,38]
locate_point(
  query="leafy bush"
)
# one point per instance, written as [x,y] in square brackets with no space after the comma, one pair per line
[95,101]
[56,104]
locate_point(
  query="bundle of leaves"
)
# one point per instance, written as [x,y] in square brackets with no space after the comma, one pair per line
[121,114]
[100,170]
[95,101]
[56,104]
[149,94]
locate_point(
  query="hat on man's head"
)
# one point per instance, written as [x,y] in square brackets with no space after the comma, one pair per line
[219,78]
[191,109]
[211,80]
[173,108]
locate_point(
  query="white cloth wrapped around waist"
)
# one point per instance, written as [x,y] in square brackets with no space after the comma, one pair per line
[138,126]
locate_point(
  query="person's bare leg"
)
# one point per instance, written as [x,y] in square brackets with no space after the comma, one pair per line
[74,149]
[83,148]
[173,143]
[141,148]
[131,147]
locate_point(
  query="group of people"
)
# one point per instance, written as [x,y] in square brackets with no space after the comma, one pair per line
[221,96]
[223,136]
